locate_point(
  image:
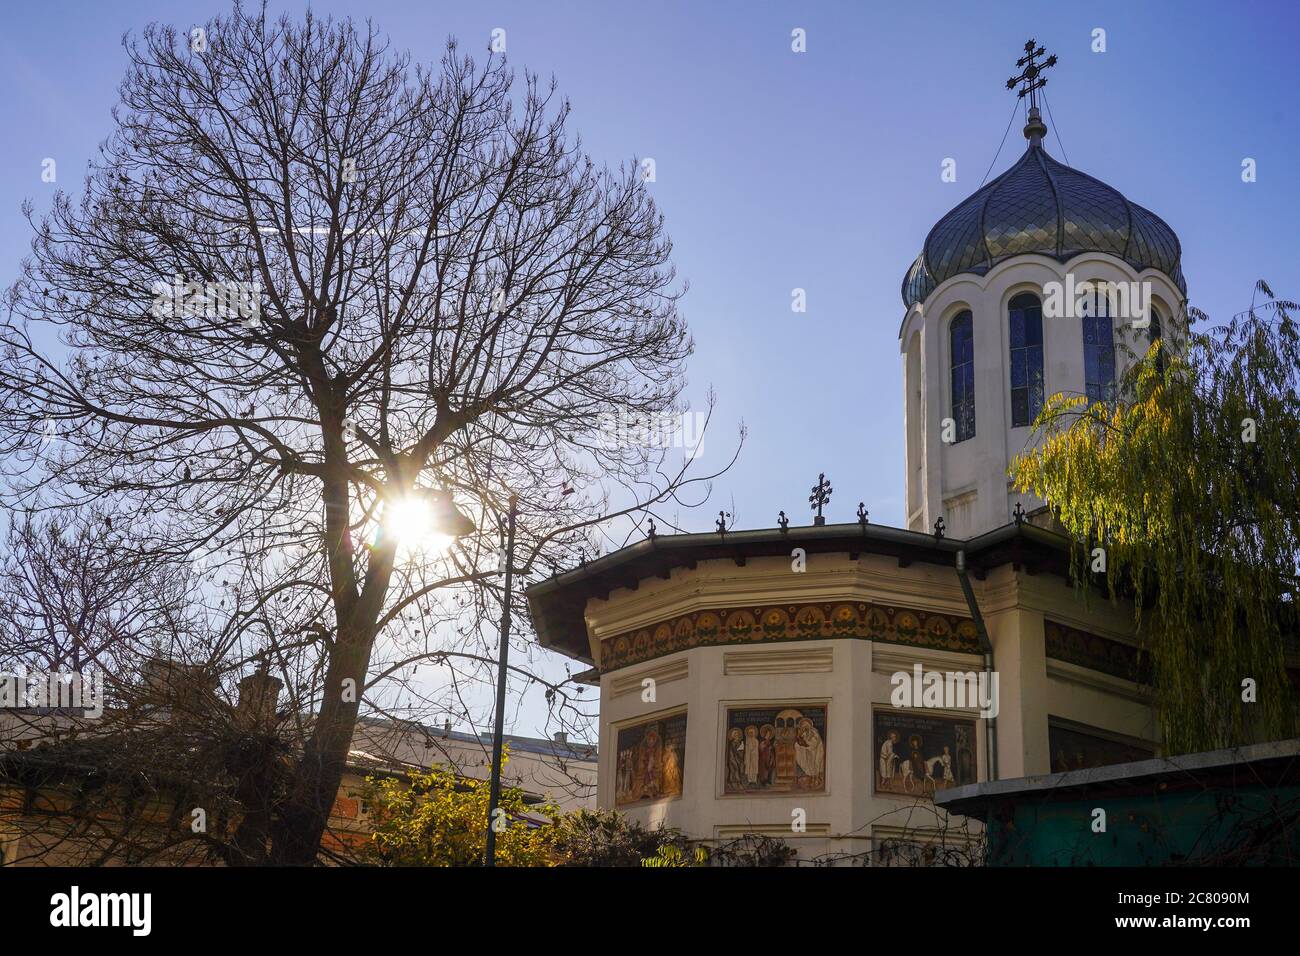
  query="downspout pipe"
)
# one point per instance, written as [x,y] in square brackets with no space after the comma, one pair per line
[991,730]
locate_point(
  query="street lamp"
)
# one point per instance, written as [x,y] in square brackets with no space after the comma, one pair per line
[498,731]
[447,518]
[425,519]
[425,513]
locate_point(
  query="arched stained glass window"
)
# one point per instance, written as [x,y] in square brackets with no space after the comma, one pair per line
[961,343]
[1025,318]
[1098,348]
[1157,332]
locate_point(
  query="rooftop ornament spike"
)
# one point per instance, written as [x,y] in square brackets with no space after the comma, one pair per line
[721,524]
[784,522]
[821,495]
[1019,514]
[863,515]
[939,529]
[652,529]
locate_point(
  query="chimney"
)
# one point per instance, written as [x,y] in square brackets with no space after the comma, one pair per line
[561,737]
[177,686]
[446,728]
[258,694]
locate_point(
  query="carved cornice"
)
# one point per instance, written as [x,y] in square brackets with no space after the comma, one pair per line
[831,578]
[664,673]
[1089,677]
[807,659]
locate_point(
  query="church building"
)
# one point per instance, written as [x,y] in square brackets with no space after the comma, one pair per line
[822,683]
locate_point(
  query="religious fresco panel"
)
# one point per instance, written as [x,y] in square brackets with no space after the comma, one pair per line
[775,749]
[1077,750]
[1065,643]
[918,754]
[651,760]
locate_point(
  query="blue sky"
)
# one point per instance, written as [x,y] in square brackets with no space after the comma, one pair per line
[821,170]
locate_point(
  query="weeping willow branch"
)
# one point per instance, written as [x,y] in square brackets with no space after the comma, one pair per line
[1188,483]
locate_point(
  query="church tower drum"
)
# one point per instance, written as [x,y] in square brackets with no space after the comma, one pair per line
[1044,280]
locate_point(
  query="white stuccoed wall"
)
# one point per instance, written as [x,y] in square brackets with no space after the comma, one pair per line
[852,677]
[967,482]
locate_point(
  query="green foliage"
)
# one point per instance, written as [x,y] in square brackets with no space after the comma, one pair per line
[608,838]
[675,856]
[440,819]
[753,849]
[1188,481]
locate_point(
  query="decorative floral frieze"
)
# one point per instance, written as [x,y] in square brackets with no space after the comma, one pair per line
[773,623]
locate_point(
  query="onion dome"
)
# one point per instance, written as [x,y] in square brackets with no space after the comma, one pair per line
[1044,207]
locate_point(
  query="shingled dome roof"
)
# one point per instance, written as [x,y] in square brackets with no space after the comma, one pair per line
[1045,207]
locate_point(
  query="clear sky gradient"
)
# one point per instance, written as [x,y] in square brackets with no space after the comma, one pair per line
[818,170]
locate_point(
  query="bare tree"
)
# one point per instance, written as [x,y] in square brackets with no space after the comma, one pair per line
[307,279]
[72,599]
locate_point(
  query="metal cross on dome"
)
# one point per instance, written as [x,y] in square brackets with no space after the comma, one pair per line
[1031,73]
[821,495]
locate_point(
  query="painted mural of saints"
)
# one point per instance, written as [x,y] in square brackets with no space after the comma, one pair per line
[940,768]
[917,775]
[809,757]
[920,754]
[626,771]
[965,769]
[649,765]
[888,759]
[735,759]
[671,777]
[766,755]
[651,760]
[784,724]
[751,756]
[774,748]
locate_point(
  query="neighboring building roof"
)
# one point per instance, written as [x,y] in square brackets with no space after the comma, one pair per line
[367,764]
[1260,764]
[559,603]
[1041,206]
[544,746]
[561,770]
[44,749]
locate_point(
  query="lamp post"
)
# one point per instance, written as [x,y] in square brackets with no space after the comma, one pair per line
[423,510]
[498,732]
[449,519]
